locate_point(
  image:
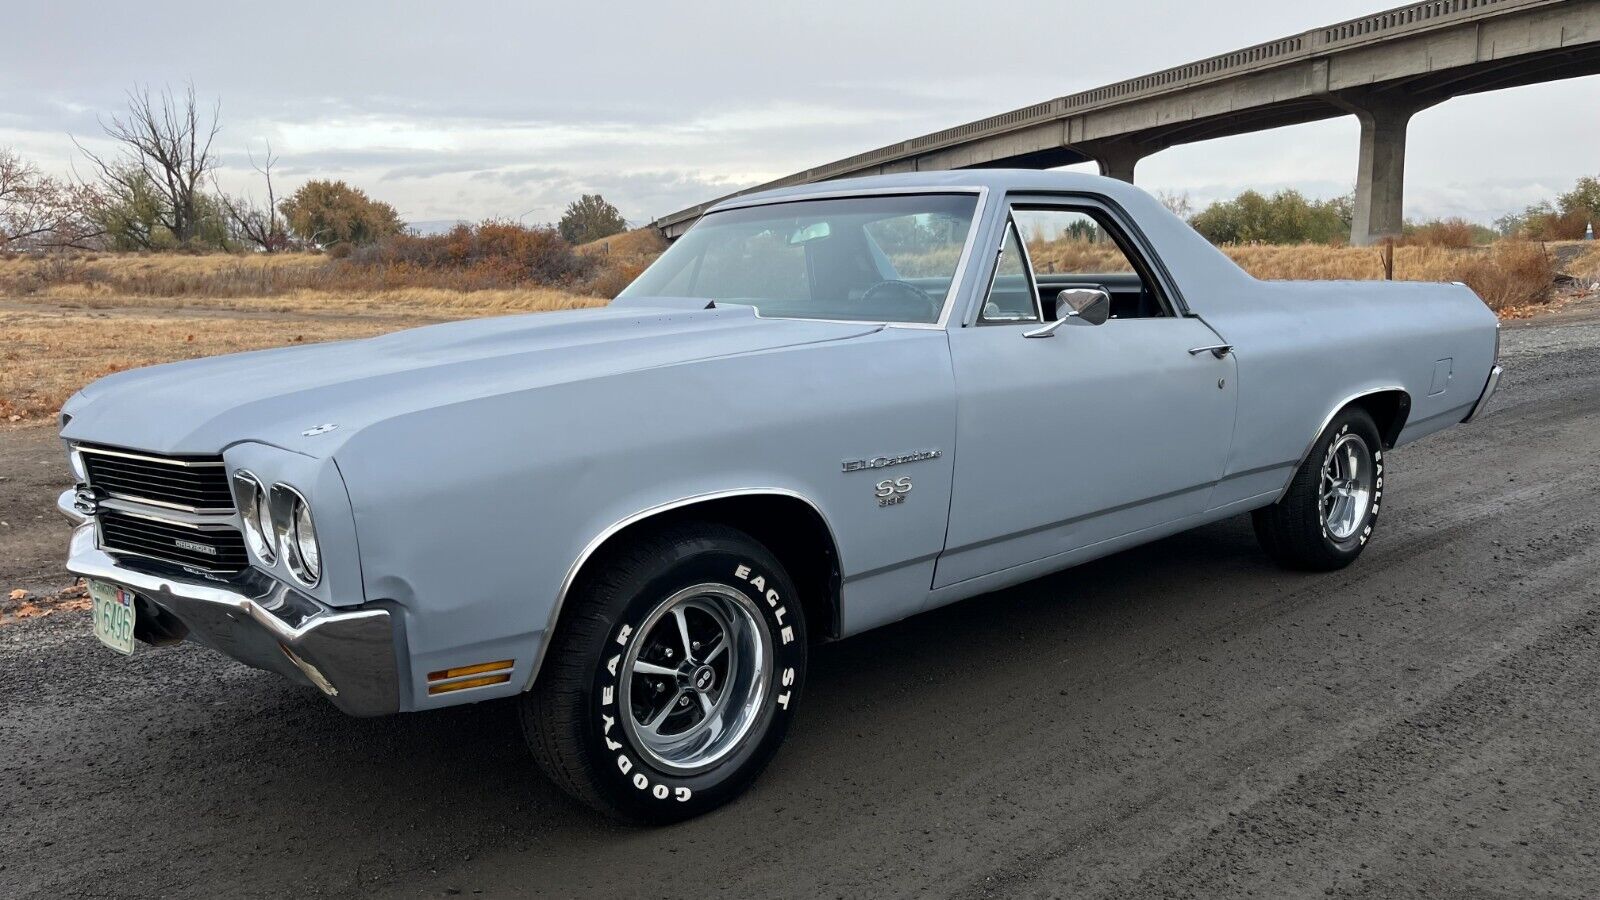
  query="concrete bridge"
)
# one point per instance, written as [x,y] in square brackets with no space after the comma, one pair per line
[1383,69]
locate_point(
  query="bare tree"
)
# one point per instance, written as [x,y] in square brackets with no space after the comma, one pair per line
[258,225]
[1177,203]
[20,214]
[40,212]
[165,152]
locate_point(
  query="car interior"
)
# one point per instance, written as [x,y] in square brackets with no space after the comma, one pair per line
[1058,240]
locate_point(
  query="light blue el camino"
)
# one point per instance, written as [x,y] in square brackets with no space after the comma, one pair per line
[823,409]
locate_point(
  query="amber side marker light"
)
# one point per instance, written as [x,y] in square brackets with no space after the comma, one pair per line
[457,679]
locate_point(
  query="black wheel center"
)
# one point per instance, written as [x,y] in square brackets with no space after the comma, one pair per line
[703,678]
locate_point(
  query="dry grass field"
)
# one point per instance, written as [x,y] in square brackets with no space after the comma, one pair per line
[1512,277]
[67,320]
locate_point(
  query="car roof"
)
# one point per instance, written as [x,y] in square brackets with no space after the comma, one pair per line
[996,180]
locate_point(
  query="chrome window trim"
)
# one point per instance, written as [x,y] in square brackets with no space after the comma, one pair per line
[611,531]
[1027,272]
[759,200]
[956,277]
[1178,307]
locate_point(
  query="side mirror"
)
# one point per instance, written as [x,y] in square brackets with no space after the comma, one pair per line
[1079,306]
[1087,306]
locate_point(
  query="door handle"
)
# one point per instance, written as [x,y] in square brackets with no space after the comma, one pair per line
[1217,350]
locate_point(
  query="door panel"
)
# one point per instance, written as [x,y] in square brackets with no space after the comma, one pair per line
[1071,440]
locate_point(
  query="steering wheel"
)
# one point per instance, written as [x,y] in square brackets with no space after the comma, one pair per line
[892,288]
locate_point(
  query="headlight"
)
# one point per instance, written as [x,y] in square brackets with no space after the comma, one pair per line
[80,472]
[300,548]
[257,515]
[305,540]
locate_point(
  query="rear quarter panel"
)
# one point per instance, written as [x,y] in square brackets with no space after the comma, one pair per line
[1304,349]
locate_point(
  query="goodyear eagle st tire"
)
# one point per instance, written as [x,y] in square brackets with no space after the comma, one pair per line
[1328,514]
[673,675]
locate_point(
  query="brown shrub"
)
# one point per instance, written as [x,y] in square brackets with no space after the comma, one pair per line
[1585,262]
[1512,274]
[1457,233]
[610,280]
[1508,274]
[1554,226]
[491,254]
[1070,253]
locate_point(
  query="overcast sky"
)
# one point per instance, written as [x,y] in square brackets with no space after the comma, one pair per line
[469,110]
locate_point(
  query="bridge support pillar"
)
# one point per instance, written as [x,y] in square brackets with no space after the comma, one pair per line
[1119,167]
[1117,159]
[1381,172]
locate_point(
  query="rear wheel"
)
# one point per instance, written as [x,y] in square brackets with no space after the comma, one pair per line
[672,679]
[1327,515]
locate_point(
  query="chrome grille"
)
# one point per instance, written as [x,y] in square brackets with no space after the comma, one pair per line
[193,483]
[213,548]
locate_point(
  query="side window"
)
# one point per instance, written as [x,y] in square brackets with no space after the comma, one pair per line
[1011,296]
[1074,247]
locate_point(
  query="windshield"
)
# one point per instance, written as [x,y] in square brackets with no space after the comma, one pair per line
[874,259]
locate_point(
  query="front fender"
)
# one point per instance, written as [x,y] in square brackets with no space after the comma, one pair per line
[473,516]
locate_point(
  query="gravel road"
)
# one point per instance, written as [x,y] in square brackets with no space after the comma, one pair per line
[1178,720]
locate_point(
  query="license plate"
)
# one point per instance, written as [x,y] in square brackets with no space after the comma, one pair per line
[113,616]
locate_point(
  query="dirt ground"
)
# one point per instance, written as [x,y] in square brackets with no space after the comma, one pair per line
[1182,719]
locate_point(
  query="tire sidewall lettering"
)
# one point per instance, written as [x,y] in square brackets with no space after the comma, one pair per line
[637,775]
[1371,520]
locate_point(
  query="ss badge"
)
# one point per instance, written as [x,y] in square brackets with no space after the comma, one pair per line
[892,491]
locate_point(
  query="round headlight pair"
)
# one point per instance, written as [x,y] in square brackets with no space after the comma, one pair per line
[292,532]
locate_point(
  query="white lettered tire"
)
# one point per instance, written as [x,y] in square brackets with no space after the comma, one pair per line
[1327,516]
[672,675]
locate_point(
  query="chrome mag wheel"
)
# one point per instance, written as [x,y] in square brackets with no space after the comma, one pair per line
[1347,484]
[696,672]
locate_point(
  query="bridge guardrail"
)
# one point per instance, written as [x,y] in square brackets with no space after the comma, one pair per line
[1423,16]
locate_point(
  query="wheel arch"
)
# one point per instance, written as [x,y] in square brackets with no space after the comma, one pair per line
[787,523]
[1389,407]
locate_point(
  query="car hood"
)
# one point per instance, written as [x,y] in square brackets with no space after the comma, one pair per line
[275,396]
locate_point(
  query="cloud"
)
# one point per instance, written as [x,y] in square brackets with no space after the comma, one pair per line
[510,109]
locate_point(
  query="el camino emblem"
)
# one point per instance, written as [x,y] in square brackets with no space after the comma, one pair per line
[883,462]
[182,544]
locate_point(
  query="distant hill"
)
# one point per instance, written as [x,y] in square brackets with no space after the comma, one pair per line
[638,245]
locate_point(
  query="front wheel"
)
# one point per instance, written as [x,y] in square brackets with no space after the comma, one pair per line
[1326,517]
[672,678]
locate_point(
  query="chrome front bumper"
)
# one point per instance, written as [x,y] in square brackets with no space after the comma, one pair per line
[349,656]
[1488,391]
